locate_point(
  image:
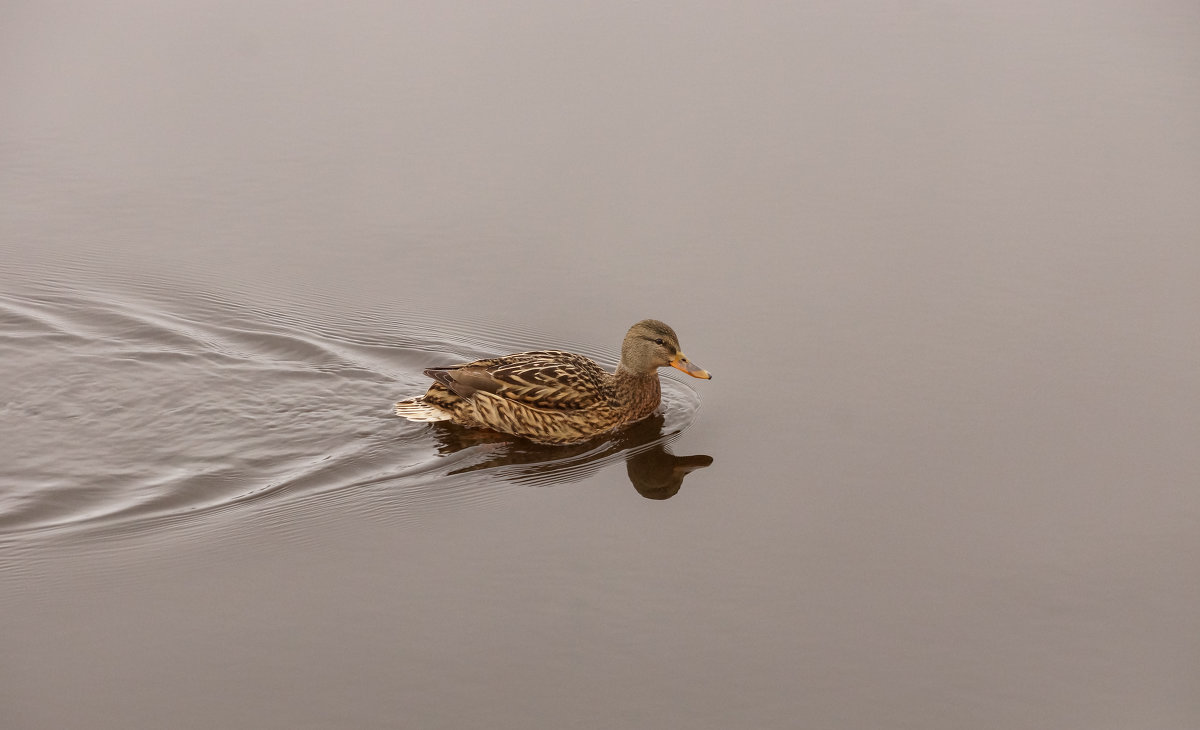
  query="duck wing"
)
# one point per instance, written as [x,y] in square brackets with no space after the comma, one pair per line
[547,379]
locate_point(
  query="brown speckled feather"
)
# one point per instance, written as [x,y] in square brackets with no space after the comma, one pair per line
[550,396]
[549,379]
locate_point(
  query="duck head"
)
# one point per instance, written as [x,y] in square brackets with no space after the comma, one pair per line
[650,345]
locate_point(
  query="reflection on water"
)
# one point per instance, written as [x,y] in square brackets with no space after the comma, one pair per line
[653,470]
[658,474]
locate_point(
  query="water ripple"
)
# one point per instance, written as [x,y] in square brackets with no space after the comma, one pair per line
[151,407]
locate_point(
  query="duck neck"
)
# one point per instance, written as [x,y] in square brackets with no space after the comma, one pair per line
[640,393]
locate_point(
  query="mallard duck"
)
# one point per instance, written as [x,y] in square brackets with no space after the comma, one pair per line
[554,397]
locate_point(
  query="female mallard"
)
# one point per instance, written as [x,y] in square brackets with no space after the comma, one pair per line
[554,397]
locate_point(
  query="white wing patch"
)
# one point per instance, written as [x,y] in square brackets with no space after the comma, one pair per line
[418,410]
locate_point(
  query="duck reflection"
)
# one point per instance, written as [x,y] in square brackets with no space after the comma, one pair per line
[658,474]
[654,471]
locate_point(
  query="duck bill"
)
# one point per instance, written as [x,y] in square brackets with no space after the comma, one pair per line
[682,363]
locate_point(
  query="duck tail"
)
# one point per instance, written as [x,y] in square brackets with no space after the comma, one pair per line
[416,409]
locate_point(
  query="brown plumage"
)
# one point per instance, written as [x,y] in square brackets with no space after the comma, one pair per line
[554,397]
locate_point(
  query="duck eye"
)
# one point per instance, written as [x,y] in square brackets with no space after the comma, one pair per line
[658,341]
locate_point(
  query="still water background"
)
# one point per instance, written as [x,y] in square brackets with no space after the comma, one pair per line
[942,260]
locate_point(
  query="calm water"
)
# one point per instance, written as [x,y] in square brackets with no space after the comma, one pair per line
[942,262]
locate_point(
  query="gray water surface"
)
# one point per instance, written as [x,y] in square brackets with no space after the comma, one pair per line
[941,260]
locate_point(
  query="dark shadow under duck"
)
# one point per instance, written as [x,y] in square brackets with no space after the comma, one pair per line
[654,471]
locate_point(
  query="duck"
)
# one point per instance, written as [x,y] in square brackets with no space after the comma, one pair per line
[554,397]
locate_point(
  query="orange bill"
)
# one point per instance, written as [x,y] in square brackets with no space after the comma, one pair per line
[682,363]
